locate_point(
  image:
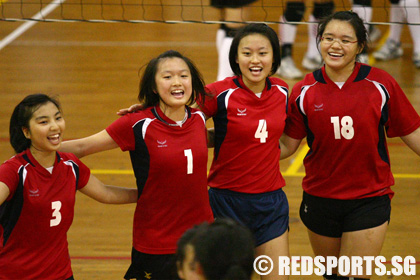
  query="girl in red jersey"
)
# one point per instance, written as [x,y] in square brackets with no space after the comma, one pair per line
[249,113]
[168,149]
[37,194]
[345,110]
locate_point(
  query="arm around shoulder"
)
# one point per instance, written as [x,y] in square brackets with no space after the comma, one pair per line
[98,142]
[288,146]
[109,194]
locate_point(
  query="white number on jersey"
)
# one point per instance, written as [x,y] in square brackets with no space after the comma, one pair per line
[188,154]
[56,206]
[261,132]
[347,130]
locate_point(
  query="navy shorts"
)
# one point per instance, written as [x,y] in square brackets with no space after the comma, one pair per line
[230,3]
[148,266]
[265,214]
[332,217]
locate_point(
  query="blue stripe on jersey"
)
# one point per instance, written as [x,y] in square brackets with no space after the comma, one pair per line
[319,77]
[10,210]
[140,157]
[220,122]
[382,151]
[76,171]
[363,72]
[309,135]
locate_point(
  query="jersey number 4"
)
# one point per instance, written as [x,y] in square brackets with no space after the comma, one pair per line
[262,132]
[346,129]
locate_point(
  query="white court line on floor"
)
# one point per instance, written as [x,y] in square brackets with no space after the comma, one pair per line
[21,29]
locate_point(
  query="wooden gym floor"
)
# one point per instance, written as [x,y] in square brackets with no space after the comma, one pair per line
[93,69]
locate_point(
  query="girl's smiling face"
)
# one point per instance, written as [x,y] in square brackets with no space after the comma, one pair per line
[46,128]
[255,60]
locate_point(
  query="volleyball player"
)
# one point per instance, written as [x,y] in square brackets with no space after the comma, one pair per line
[345,110]
[37,194]
[249,113]
[234,11]
[168,150]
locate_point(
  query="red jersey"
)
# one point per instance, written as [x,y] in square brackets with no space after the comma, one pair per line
[36,216]
[345,130]
[170,165]
[247,133]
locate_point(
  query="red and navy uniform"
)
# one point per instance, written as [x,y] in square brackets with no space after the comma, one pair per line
[36,216]
[346,131]
[170,165]
[247,133]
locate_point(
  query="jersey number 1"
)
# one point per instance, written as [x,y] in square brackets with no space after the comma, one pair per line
[261,132]
[188,154]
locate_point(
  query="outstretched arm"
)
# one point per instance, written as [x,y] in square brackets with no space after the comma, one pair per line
[288,145]
[412,140]
[4,192]
[108,194]
[98,142]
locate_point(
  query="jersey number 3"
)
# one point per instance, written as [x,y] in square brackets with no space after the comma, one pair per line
[56,206]
[261,132]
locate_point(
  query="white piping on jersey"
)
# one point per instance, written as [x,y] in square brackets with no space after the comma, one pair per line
[71,163]
[228,95]
[281,89]
[302,96]
[383,93]
[147,121]
[24,172]
[201,114]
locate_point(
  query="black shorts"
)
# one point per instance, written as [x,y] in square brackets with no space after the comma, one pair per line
[148,266]
[332,217]
[230,3]
[265,214]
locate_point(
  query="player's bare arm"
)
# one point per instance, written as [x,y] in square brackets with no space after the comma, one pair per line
[109,194]
[412,140]
[4,192]
[288,146]
[98,142]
